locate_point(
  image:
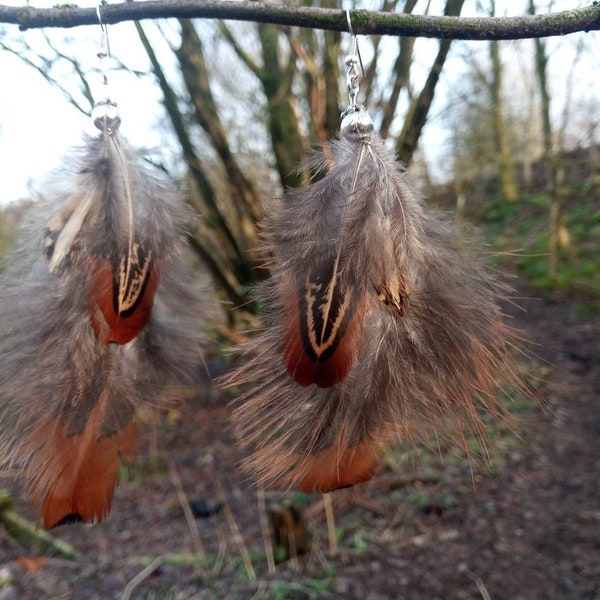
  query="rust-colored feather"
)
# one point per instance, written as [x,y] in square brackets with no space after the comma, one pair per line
[80,472]
[336,467]
[120,302]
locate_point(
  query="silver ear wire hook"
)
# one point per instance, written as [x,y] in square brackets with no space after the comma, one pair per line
[104,51]
[356,125]
[353,42]
[354,49]
[352,61]
[105,113]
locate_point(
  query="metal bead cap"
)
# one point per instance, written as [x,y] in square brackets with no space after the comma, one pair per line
[357,124]
[106,116]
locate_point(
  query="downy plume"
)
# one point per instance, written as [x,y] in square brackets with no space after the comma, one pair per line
[382,324]
[98,317]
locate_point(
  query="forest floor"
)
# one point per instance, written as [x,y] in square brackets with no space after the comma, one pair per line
[524,526]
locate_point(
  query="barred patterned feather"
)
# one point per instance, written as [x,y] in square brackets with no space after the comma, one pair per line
[382,323]
[97,318]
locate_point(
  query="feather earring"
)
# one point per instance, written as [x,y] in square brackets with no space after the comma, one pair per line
[98,317]
[382,323]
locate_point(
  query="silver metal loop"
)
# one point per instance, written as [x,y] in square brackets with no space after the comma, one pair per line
[105,114]
[352,61]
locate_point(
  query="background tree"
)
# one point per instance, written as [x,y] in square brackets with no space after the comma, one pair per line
[558,233]
[245,102]
[486,126]
[298,74]
[505,165]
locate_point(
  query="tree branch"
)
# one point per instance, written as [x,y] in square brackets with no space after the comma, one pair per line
[363,22]
[242,54]
[44,70]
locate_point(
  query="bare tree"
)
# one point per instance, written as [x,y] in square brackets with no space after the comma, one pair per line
[558,233]
[505,165]
[419,108]
[297,73]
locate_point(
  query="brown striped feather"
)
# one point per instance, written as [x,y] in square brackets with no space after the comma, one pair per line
[324,325]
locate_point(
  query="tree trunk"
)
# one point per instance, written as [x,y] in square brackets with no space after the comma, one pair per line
[507,175]
[288,143]
[417,114]
[558,234]
[401,75]
[220,251]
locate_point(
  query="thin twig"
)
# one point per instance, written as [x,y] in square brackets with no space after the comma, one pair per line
[189,517]
[260,592]
[264,527]
[222,551]
[141,576]
[330,516]
[481,587]
[237,536]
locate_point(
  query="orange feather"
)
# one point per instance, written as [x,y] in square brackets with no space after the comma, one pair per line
[337,466]
[77,474]
[112,319]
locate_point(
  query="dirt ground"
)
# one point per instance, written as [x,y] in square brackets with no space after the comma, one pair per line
[526,526]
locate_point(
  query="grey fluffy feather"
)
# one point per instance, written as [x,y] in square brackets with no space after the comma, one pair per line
[426,366]
[53,368]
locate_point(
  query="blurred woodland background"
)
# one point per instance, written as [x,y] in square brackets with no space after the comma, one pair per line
[503,134]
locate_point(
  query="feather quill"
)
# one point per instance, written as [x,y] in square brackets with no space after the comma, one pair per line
[382,323]
[98,317]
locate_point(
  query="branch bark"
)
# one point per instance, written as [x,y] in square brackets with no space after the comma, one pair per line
[277,79]
[363,21]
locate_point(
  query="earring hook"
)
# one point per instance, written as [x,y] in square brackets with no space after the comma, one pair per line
[349,21]
[352,61]
[353,43]
[104,51]
[356,125]
[105,114]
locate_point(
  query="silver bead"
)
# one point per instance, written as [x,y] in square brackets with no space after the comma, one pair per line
[356,124]
[105,116]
